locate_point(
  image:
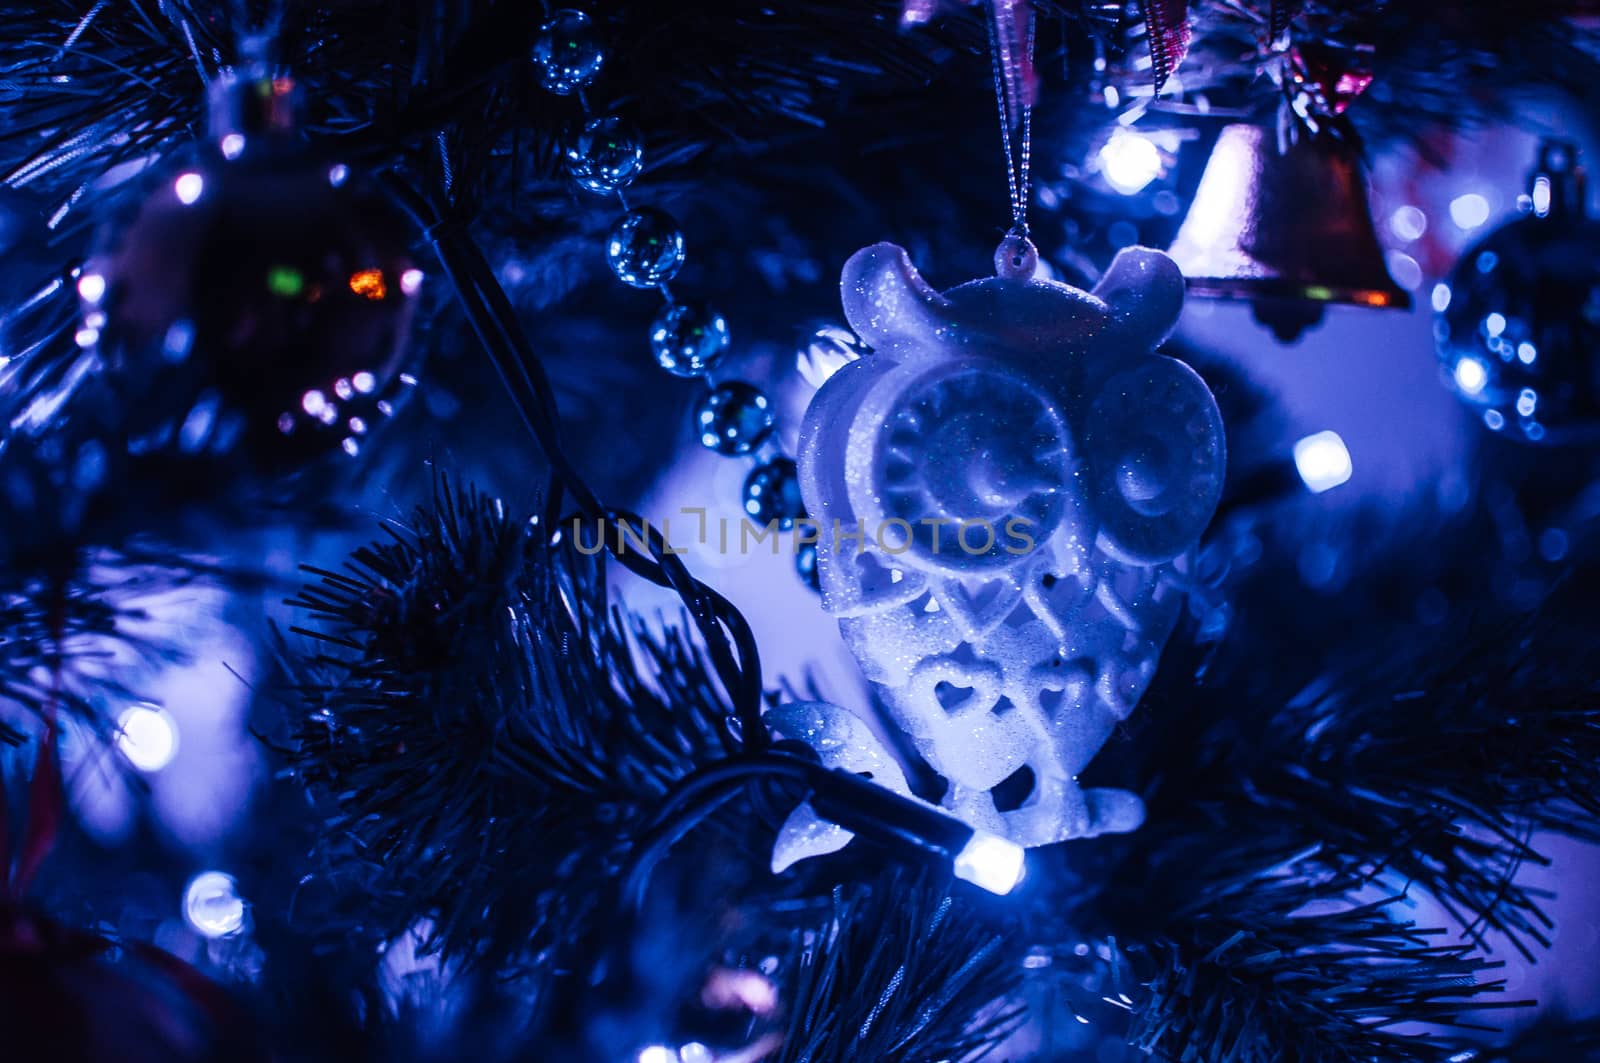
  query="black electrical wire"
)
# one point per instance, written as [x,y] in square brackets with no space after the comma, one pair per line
[726,633]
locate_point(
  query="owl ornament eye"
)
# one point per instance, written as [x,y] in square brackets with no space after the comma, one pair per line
[1009,490]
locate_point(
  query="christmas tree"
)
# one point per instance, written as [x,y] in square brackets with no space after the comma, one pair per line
[858,531]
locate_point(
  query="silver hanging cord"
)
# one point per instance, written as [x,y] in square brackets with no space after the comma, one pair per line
[1011,55]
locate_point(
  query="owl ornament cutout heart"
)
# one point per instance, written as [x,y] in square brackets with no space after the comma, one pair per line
[1009,491]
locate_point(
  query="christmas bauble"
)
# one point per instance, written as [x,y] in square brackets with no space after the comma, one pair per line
[606,156]
[256,305]
[688,338]
[805,565]
[645,248]
[1010,489]
[69,996]
[568,52]
[772,494]
[734,418]
[1518,325]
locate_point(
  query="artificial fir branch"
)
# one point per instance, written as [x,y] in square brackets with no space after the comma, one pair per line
[466,652]
[1422,762]
[1435,66]
[1550,1037]
[898,971]
[1277,966]
[1432,767]
[79,642]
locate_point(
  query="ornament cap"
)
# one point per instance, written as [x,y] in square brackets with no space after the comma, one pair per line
[1557,187]
[253,107]
[1016,259]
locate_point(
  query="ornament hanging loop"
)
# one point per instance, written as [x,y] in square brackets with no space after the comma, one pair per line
[1016,259]
[1011,31]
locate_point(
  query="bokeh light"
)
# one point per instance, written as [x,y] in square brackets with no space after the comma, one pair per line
[147,736]
[1129,162]
[212,905]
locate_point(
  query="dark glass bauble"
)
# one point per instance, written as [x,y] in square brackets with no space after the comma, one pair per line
[1518,326]
[772,494]
[256,307]
[734,418]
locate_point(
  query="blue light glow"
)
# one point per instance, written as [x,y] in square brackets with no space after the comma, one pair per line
[212,905]
[1469,211]
[1129,162]
[188,188]
[991,862]
[1408,223]
[147,736]
[1323,461]
[1471,376]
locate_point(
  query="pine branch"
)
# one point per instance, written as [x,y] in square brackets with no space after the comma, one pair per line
[1552,1036]
[465,653]
[1422,762]
[899,972]
[1434,65]
[78,642]
[1276,966]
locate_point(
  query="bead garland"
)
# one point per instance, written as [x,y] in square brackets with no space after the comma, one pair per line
[645,249]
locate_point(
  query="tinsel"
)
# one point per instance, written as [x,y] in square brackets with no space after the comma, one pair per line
[1167,24]
[1433,67]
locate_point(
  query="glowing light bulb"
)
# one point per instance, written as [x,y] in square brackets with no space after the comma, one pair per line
[1129,162]
[1471,376]
[1323,461]
[232,146]
[411,281]
[188,188]
[91,287]
[147,736]
[657,1054]
[212,905]
[991,862]
[1541,196]
[1441,297]
[1469,211]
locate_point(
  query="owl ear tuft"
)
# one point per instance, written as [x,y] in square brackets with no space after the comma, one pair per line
[1144,289]
[886,300]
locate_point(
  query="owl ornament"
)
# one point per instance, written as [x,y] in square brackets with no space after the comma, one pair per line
[1008,492]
